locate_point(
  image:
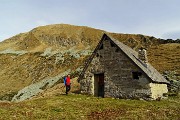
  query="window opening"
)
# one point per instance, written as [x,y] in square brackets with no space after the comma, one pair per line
[136,75]
[112,44]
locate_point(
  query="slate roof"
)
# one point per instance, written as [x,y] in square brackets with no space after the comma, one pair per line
[148,69]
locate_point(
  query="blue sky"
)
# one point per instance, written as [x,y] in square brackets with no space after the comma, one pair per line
[159,18]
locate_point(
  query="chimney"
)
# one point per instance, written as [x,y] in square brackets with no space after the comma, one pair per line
[142,55]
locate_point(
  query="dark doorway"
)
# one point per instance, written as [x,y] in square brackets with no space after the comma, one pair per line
[99,85]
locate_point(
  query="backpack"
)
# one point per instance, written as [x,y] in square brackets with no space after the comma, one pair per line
[64,80]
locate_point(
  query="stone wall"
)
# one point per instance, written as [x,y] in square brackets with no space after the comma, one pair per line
[118,72]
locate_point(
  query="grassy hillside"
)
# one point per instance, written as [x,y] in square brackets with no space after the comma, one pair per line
[165,57]
[47,51]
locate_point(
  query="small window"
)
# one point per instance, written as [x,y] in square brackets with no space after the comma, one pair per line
[136,75]
[112,44]
[117,50]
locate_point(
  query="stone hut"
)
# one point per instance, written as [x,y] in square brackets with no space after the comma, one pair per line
[116,70]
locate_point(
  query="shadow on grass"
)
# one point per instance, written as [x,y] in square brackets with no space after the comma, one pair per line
[76,91]
[73,92]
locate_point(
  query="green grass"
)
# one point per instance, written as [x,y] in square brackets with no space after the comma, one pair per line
[86,107]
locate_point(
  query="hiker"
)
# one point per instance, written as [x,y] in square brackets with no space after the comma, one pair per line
[67,83]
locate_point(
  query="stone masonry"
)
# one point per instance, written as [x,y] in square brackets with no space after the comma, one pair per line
[122,77]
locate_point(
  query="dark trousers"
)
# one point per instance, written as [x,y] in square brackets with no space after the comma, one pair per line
[68,87]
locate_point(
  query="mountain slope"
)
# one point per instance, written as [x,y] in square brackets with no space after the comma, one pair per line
[48,51]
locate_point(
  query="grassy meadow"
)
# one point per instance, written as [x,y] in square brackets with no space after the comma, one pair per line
[82,107]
